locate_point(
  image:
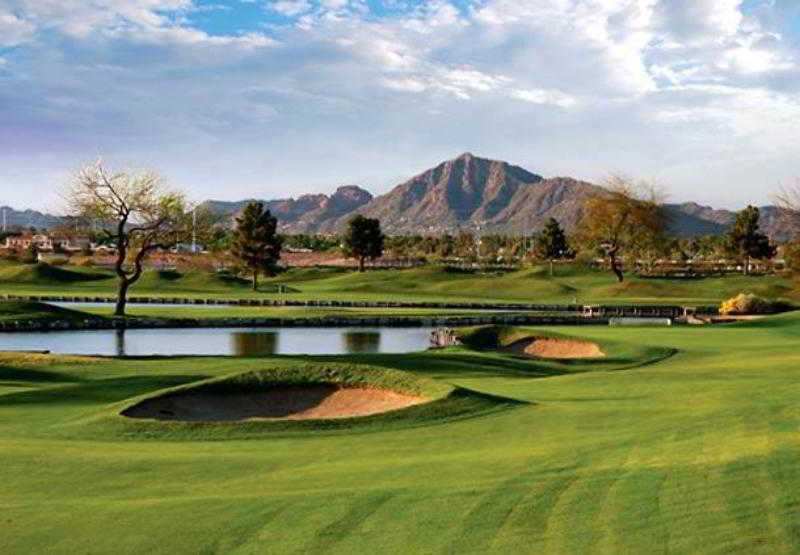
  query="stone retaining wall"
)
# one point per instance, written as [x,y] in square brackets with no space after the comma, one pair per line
[326,321]
[666,311]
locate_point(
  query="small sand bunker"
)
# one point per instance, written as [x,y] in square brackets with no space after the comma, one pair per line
[551,347]
[303,402]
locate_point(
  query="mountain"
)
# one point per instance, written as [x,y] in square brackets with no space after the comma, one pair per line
[468,192]
[307,213]
[462,194]
[690,219]
[28,218]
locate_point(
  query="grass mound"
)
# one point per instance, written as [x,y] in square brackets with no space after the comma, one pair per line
[555,353]
[30,310]
[197,282]
[521,341]
[45,274]
[326,396]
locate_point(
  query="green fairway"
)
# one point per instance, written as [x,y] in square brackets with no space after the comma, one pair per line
[682,439]
[571,284]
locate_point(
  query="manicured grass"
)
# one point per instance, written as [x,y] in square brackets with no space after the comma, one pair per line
[682,440]
[194,311]
[570,284]
[30,310]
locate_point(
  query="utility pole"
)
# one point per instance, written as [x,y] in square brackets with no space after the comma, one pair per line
[5,220]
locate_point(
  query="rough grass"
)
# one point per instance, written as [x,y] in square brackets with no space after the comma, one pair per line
[695,452]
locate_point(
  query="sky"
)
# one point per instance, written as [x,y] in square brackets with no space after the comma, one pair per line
[232,99]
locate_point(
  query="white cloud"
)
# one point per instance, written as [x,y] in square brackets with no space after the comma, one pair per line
[334,4]
[541,96]
[14,30]
[291,7]
[649,80]
[149,21]
[407,84]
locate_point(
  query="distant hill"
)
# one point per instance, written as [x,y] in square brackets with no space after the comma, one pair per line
[307,213]
[462,194]
[468,191]
[691,219]
[28,218]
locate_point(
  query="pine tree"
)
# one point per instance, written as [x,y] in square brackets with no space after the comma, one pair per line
[255,241]
[363,239]
[551,243]
[746,241]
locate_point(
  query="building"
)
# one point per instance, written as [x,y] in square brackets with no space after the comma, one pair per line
[23,242]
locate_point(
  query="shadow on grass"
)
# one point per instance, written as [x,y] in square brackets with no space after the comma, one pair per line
[461,365]
[97,391]
[13,373]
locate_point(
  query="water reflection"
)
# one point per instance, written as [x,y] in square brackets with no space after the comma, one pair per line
[221,341]
[361,342]
[254,344]
[119,342]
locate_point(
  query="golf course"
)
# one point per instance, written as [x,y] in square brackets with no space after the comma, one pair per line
[538,440]
[399,277]
[569,283]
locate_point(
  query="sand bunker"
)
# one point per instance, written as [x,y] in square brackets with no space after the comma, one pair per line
[550,347]
[303,402]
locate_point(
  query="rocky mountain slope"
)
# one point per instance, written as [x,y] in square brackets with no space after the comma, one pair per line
[469,192]
[306,213]
[463,194]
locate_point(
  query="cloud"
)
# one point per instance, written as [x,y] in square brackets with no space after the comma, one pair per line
[368,94]
[14,30]
[152,21]
[290,7]
[541,96]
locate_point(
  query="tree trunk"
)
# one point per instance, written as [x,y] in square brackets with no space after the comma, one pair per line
[615,267]
[255,280]
[747,265]
[122,297]
[551,267]
[360,263]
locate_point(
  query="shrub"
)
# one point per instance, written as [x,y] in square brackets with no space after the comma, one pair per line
[747,303]
[791,254]
[83,261]
[30,255]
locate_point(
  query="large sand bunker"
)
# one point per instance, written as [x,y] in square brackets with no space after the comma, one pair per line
[295,402]
[552,347]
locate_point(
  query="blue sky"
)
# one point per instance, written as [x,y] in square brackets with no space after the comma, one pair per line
[272,98]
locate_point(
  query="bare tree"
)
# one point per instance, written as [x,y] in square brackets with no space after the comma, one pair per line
[137,213]
[788,202]
[622,220]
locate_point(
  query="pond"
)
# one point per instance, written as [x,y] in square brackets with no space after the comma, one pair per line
[221,341]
